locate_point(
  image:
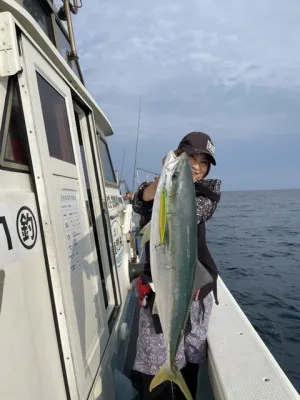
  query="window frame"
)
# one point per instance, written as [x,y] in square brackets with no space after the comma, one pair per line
[48,7]
[12,84]
[55,23]
[71,149]
[107,182]
[112,288]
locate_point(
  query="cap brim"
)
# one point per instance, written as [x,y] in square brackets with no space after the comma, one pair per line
[212,159]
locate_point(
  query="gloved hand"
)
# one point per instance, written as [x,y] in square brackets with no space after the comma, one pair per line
[144,292]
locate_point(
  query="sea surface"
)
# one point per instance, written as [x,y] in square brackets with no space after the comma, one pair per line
[254,237]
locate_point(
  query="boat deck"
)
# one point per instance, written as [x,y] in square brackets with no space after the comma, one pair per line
[240,364]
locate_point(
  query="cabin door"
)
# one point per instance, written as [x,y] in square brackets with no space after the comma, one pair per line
[26,316]
[69,241]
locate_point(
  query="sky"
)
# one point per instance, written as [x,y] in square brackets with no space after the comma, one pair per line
[228,68]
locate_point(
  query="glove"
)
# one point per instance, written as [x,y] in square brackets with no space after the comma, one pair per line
[144,292]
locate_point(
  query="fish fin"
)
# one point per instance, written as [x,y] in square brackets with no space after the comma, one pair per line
[162,215]
[202,276]
[144,228]
[142,252]
[154,308]
[173,375]
[146,234]
[152,286]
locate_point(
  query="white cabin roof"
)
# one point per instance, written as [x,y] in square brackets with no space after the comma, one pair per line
[38,37]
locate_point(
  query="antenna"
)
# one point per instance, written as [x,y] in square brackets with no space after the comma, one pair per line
[136,145]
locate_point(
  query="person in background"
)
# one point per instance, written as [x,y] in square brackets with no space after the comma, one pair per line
[128,196]
[151,349]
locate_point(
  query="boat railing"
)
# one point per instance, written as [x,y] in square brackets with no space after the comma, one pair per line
[144,175]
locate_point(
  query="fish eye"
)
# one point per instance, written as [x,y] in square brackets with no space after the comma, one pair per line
[175,176]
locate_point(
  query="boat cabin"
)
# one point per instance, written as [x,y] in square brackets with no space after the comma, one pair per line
[63,223]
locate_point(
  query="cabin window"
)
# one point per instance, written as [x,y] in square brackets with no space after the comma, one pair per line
[42,15]
[56,122]
[90,209]
[105,263]
[13,130]
[108,167]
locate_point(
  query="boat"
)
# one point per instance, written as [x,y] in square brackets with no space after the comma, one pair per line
[69,258]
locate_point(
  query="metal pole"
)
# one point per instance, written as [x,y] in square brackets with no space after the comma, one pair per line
[72,55]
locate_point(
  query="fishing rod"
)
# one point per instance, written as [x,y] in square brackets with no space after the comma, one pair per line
[121,174]
[136,144]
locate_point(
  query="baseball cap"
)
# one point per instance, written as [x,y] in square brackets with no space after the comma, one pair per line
[198,143]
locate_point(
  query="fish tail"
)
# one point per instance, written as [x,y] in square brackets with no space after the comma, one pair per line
[146,234]
[172,374]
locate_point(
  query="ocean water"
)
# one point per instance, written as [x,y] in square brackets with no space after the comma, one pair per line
[254,237]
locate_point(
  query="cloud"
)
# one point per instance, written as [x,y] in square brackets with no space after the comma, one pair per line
[233,35]
[229,68]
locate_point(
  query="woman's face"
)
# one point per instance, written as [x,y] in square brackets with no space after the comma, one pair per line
[199,165]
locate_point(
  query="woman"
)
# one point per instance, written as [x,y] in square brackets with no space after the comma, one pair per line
[151,349]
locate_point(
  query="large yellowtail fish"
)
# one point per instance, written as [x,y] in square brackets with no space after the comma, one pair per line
[173,257]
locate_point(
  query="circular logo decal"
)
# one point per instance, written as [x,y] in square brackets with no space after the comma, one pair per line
[117,242]
[26,227]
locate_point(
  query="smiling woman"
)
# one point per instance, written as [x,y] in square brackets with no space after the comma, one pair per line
[200,165]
